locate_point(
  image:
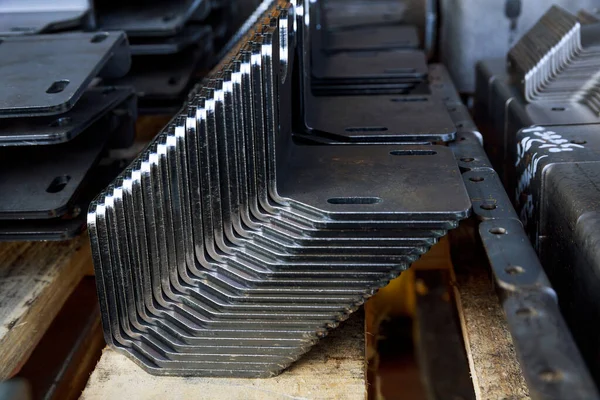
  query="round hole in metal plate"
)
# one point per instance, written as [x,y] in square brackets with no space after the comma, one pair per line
[558,109]
[477,179]
[100,37]
[366,129]
[63,121]
[58,184]
[498,231]
[488,207]
[413,152]
[354,200]
[576,141]
[58,86]
[467,159]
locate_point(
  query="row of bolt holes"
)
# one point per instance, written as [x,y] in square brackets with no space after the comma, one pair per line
[548,375]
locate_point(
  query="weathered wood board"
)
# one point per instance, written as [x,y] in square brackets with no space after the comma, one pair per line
[36,278]
[333,369]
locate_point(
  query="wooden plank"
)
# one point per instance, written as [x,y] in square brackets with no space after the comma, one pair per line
[495,369]
[333,369]
[63,360]
[35,281]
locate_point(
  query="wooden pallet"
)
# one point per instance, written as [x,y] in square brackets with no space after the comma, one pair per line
[333,369]
[36,279]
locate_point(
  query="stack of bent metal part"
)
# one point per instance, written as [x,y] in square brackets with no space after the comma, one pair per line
[227,248]
[545,131]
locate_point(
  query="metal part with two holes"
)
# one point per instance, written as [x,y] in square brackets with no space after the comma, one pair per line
[94,104]
[163,81]
[371,90]
[46,190]
[49,73]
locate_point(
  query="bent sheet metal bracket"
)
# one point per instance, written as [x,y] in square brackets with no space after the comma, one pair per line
[244,248]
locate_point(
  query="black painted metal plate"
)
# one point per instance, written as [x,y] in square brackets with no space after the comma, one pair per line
[380,118]
[40,182]
[190,35]
[403,181]
[47,74]
[149,18]
[93,104]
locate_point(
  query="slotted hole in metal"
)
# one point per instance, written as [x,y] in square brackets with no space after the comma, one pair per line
[58,86]
[100,37]
[413,152]
[354,200]
[58,184]
[366,129]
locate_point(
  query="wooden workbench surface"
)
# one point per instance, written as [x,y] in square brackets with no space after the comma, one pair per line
[333,369]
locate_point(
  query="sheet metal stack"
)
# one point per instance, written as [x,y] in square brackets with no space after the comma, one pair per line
[226,249]
[551,79]
[170,43]
[544,139]
[369,81]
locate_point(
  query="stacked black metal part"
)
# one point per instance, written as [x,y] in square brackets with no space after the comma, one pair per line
[56,128]
[247,229]
[228,249]
[543,138]
[74,74]
[172,43]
